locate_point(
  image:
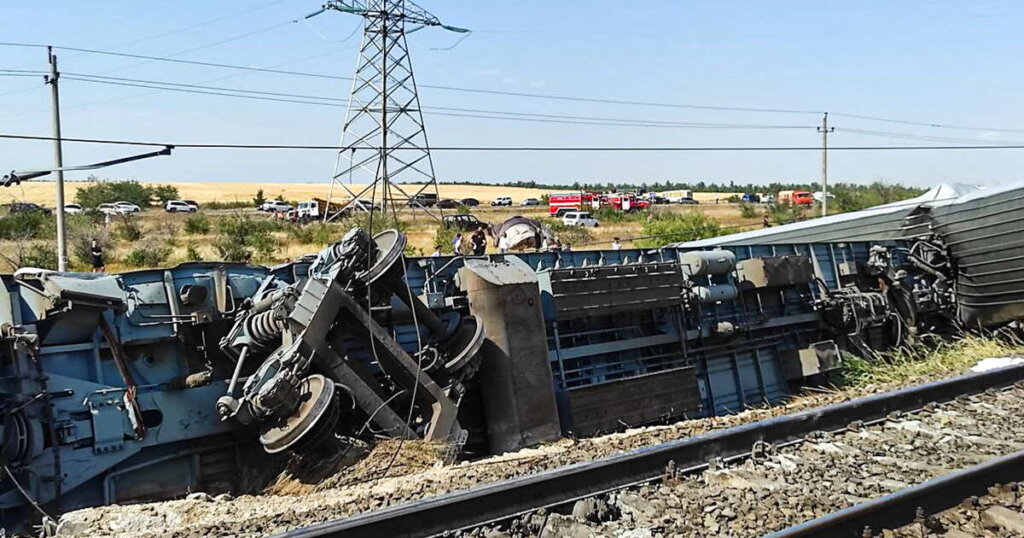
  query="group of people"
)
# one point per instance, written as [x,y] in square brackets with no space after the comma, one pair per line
[473,244]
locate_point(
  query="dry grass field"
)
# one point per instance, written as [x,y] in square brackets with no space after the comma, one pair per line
[42,192]
[160,230]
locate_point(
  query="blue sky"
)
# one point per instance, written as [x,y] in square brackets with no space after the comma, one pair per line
[946,62]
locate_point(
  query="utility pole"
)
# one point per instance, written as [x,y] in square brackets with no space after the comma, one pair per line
[824,130]
[58,155]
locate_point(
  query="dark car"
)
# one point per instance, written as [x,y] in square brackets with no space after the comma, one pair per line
[751,198]
[463,221]
[685,201]
[25,207]
[447,203]
[469,202]
[423,199]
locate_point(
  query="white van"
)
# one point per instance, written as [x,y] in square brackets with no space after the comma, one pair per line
[579,218]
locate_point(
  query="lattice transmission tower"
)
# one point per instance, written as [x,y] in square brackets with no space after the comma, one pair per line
[384,133]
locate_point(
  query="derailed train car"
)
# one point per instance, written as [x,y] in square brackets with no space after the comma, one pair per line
[148,384]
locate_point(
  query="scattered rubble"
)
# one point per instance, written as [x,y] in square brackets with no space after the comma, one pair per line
[424,471]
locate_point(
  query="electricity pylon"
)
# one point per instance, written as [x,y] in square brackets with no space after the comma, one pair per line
[384,136]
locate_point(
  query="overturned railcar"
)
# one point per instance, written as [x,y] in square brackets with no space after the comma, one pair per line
[148,384]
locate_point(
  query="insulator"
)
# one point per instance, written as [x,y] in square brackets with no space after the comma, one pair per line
[265,327]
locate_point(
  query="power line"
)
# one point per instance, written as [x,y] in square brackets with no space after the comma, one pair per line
[436,87]
[328,101]
[928,124]
[532,95]
[926,138]
[513,148]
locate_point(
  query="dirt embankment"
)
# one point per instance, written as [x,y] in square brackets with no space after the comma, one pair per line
[419,472]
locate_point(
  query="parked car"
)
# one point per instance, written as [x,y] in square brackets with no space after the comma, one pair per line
[192,203]
[73,209]
[469,202]
[530,201]
[107,209]
[275,206]
[179,206]
[502,200]
[579,218]
[751,198]
[686,201]
[423,199]
[127,207]
[25,207]
[463,221]
[447,203]
[659,200]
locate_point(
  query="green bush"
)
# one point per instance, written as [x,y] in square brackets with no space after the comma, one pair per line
[605,215]
[748,211]
[785,213]
[130,190]
[147,256]
[381,221]
[82,229]
[444,235]
[163,193]
[667,228]
[192,253]
[241,236]
[128,230]
[571,235]
[27,225]
[197,224]
[259,199]
[317,233]
[234,204]
[41,255]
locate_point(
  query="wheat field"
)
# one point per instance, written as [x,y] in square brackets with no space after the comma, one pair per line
[43,192]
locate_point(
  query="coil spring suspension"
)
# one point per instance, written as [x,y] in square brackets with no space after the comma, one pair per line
[265,327]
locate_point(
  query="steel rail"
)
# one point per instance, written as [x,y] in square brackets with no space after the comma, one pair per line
[510,498]
[901,508]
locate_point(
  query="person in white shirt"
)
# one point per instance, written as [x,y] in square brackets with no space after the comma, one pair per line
[503,244]
[457,244]
[616,245]
[437,251]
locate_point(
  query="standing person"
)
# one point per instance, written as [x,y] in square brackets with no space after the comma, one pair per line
[503,243]
[615,244]
[437,251]
[96,255]
[567,247]
[106,220]
[457,244]
[479,242]
[765,223]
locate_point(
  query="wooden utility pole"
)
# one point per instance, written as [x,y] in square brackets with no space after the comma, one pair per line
[58,155]
[824,130]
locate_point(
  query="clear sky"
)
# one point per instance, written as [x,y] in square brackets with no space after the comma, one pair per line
[945,62]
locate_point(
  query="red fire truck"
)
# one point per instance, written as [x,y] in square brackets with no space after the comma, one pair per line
[561,203]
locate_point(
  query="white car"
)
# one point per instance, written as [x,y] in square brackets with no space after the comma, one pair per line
[529,202]
[276,206]
[179,206]
[579,218]
[72,209]
[107,209]
[502,200]
[126,207]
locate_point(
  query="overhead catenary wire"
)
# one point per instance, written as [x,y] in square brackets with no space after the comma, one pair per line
[339,102]
[533,94]
[313,147]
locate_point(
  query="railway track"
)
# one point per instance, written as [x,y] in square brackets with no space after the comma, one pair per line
[750,480]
